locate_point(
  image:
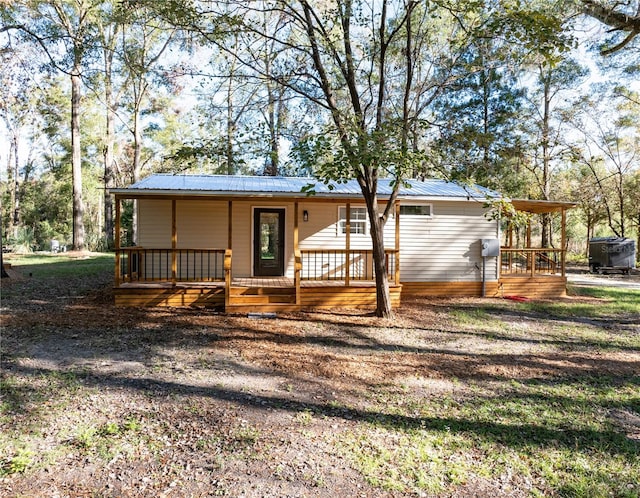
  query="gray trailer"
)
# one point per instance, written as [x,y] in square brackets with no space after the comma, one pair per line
[612,254]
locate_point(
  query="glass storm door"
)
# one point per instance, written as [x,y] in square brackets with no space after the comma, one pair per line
[268,242]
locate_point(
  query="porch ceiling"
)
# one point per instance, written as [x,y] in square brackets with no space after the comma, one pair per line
[539,207]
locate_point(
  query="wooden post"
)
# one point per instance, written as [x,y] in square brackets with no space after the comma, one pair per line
[118,276]
[510,242]
[295,226]
[530,255]
[563,253]
[347,275]
[230,226]
[228,275]
[397,256]
[297,260]
[227,278]
[174,244]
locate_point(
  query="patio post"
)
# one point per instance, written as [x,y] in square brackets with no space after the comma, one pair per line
[297,260]
[230,226]
[347,275]
[563,253]
[227,257]
[397,255]
[531,257]
[118,277]
[174,244]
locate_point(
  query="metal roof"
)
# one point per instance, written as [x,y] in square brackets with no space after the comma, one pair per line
[278,186]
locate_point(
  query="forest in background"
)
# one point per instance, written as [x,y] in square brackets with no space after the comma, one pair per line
[534,99]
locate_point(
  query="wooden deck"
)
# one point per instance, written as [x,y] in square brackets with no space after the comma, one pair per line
[279,293]
[253,294]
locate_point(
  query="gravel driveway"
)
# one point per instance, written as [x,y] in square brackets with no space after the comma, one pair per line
[582,277]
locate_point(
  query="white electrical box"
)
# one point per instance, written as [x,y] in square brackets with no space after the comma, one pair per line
[490,248]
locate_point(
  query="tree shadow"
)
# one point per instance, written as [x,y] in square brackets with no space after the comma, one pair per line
[518,436]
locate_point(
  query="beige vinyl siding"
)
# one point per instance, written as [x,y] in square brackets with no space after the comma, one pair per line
[154,223]
[441,248]
[322,231]
[446,246]
[241,264]
[201,224]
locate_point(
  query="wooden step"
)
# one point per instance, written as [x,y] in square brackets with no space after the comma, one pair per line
[262,299]
[261,308]
[261,291]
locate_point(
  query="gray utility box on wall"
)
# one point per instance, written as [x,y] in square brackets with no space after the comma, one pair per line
[612,254]
[490,248]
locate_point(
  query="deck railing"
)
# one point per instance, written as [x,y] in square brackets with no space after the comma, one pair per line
[144,265]
[342,264]
[531,262]
[138,264]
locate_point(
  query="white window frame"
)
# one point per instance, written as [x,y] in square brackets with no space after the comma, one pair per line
[341,225]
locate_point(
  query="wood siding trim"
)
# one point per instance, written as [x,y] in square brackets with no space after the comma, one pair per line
[447,289]
[543,287]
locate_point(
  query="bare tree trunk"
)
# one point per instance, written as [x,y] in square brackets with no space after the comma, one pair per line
[638,239]
[383,296]
[13,184]
[272,123]
[230,134]
[76,161]
[109,178]
[109,142]
[546,161]
[136,173]
[3,272]
[621,204]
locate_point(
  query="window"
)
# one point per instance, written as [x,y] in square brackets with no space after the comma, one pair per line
[415,210]
[358,220]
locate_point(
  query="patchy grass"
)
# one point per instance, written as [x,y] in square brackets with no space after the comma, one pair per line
[45,266]
[538,437]
[459,397]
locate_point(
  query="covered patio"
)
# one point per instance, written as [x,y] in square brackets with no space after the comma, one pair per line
[177,276]
[529,271]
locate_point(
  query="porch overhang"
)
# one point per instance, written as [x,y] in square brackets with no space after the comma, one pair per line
[541,207]
[535,272]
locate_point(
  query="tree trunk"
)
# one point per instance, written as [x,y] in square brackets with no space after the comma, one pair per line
[230,131]
[109,173]
[638,240]
[621,203]
[3,272]
[108,179]
[589,232]
[272,123]
[76,162]
[137,148]
[383,297]
[13,169]
[546,162]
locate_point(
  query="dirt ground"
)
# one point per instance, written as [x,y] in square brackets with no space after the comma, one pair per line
[199,403]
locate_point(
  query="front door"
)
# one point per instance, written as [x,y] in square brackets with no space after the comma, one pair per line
[268,242]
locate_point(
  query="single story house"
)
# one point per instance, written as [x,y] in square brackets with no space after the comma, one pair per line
[249,243]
